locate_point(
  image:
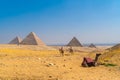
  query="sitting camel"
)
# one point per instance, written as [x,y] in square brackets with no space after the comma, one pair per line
[88,62]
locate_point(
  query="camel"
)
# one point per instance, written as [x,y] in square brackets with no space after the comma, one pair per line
[88,62]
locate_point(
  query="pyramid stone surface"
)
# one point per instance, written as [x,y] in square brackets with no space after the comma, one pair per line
[74,42]
[32,39]
[92,46]
[16,40]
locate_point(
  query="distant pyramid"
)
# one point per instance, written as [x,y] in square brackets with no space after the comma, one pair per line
[74,42]
[32,39]
[92,46]
[16,40]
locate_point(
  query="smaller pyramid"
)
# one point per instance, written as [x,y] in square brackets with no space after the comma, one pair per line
[16,40]
[92,46]
[32,39]
[74,42]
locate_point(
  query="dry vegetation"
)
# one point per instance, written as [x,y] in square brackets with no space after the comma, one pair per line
[45,63]
[112,56]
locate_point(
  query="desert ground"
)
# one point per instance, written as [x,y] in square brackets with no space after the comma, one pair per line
[20,62]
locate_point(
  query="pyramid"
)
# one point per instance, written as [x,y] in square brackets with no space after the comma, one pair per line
[16,40]
[74,42]
[92,46]
[32,39]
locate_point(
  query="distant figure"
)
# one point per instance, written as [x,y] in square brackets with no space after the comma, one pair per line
[18,44]
[61,51]
[71,50]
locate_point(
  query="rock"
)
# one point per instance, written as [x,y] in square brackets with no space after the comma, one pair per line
[109,70]
[50,64]
[39,58]
[50,76]
[64,65]
[71,68]
[64,60]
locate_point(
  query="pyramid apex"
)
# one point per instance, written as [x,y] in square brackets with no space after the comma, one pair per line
[32,33]
[74,38]
[17,37]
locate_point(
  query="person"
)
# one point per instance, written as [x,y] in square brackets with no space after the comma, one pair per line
[18,44]
[61,51]
[71,50]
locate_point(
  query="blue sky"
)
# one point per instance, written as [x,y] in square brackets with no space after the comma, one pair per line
[57,21]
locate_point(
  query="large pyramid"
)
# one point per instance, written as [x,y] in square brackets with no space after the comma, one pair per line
[92,46]
[74,42]
[16,40]
[32,39]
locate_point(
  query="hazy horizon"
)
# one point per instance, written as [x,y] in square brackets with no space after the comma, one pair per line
[58,21]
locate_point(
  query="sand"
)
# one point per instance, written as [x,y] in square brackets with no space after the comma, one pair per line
[52,67]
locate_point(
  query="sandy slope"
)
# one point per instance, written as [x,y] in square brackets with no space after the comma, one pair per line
[53,67]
